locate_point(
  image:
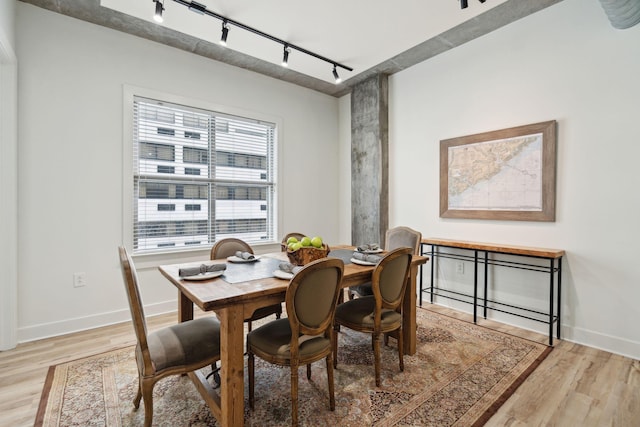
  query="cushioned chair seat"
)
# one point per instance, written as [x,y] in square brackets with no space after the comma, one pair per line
[360,312]
[184,343]
[275,338]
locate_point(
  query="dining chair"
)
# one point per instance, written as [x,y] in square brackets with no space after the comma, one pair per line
[380,313]
[298,236]
[228,247]
[398,237]
[305,336]
[174,350]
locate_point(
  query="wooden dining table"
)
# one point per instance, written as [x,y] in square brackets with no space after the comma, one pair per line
[236,301]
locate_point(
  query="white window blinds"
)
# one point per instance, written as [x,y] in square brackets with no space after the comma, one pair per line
[200,176]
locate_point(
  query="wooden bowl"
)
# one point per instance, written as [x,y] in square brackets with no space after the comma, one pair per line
[307,254]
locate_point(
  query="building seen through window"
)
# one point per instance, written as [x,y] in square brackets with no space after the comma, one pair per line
[200,176]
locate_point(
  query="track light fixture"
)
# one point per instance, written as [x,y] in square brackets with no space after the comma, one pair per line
[202,10]
[464,3]
[225,33]
[159,8]
[335,74]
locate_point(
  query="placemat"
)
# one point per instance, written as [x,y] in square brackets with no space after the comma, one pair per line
[243,272]
[343,254]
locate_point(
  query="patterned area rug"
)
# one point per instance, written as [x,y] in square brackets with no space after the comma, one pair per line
[459,376]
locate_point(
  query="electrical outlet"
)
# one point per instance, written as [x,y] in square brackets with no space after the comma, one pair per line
[79,280]
[460,267]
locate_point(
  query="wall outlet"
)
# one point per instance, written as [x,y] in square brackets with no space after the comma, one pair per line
[79,280]
[460,267]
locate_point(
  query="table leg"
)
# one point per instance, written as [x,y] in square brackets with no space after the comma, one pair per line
[185,308]
[409,325]
[232,365]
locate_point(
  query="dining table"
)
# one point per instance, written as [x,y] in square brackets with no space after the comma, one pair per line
[247,285]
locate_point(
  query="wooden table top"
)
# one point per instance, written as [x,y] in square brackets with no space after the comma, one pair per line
[496,247]
[217,293]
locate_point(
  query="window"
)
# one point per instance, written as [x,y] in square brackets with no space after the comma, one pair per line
[200,176]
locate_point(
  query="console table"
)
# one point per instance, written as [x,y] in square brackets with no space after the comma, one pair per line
[480,256]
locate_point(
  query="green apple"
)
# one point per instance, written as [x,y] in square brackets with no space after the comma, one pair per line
[305,241]
[296,246]
[316,242]
[291,239]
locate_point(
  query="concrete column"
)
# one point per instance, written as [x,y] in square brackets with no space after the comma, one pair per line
[370,160]
[622,13]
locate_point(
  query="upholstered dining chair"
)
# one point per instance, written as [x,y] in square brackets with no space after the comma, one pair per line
[380,313]
[174,350]
[286,237]
[398,237]
[305,335]
[227,247]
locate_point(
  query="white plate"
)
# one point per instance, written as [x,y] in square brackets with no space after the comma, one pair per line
[205,276]
[372,251]
[361,262]
[239,260]
[282,274]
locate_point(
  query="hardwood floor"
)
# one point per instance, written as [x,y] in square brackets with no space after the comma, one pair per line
[574,386]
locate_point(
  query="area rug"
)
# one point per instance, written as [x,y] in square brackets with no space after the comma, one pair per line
[459,376]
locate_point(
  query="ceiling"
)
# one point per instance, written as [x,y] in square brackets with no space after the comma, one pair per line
[370,36]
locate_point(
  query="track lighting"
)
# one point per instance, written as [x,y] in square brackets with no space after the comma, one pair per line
[335,74]
[464,3]
[202,10]
[225,33]
[158,15]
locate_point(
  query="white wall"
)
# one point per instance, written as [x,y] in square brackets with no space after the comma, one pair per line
[8,177]
[72,75]
[565,63]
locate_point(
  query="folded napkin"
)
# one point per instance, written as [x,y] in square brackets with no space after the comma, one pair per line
[368,247]
[204,268]
[245,255]
[367,257]
[287,267]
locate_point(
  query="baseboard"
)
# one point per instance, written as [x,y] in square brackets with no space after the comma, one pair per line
[67,326]
[612,344]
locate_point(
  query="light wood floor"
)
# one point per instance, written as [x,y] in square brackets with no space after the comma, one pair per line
[574,386]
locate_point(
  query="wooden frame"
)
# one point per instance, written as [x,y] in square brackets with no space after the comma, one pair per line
[468,163]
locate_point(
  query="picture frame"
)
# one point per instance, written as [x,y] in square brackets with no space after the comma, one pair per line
[507,174]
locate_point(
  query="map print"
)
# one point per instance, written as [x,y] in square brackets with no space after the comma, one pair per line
[504,174]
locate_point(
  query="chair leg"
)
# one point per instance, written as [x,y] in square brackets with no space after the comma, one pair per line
[294,394]
[376,357]
[401,349]
[147,397]
[332,398]
[334,344]
[250,368]
[136,401]
[249,325]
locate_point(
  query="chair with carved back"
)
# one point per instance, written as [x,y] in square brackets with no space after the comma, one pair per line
[174,350]
[380,313]
[398,237]
[305,336]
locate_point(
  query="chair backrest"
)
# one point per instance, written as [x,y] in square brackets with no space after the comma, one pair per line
[389,279]
[130,277]
[403,237]
[228,247]
[312,297]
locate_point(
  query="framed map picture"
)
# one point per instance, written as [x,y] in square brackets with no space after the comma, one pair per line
[508,174]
